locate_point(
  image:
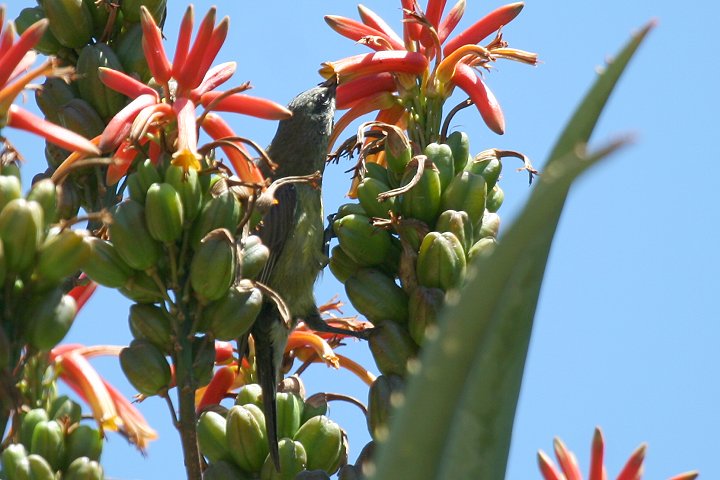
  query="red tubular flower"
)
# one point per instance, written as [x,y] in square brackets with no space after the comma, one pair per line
[238,156]
[466,78]
[365,64]
[484,27]
[350,92]
[374,20]
[448,24]
[82,293]
[245,104]
[357,31]
[22,119]
[215,391]
[569,470]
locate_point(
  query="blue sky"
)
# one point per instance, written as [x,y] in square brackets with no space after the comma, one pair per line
[626,331]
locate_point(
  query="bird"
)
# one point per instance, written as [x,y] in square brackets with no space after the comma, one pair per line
[293,231]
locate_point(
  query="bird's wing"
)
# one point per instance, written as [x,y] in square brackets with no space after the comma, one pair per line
[276,227]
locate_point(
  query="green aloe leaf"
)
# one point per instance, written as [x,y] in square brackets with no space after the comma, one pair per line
[457,418]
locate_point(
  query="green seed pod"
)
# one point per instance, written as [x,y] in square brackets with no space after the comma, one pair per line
[482,248]
[60,256]
[83,441]
[152,323]
[211,437]
[203,353]
[350,472]
[367,193]
[245,431]
[48,442]
[341,265]
[164,213]
[222,211]
[314,405]
[64,409]
[84,469]
[385,393]
[441,261]
[128,48]
[55,155]
[15,462]
[232,316]
[293,459]
[223,470]
[392,347]
[254,256]
[312,475]
[100,13]
[398,152]
[104,265]
[49,317]
[466,192]
[10,189]
[350,208]
[423,200]
[187,184]
[322,439]
[68,200]
[364,243]
[141,179]
[376,296]
[289,413]
[80,117]
[250,394]
[54,93]
[145,367]
[487,164]
[459,144]
[495,199]
[130,236]
[45,193]
[48,44]
[106,101]
[212,269]
[424,306]
[21,231]
[29,421]
[40,469]
[141,288]
[489,226]
[70,21]
[457,223]
[442,157]
[376,171]
[131,9]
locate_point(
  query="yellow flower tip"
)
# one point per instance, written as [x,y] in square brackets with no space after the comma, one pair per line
[187,159]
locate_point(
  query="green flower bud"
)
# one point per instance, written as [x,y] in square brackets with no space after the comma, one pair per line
[164,213]
[392,347]
[489,226]
[29,422]
[187,184]
[203,353]
[222,211]
[211,437]
[15,462]
[385,392]
[104,264]
[21,231]
[70,22]
[457,223]
[40,469]
[80,117]
[350,208]
[398,152]
[376,171]
[54,93]
[128,48]
[423,199]
[254,257]
[424,306]
[367,193]
[64,409]
[83,441]
[223,470]
[145,367]
[250,394]
[314,405]
[442,157]
[322,439]
[131,9]
[482,248]
[495,199]
[10,189]
[48,44]
[61,255]
[289,413]
[459,144]
[487,164]
[68,200]
[212,269]
[466,192]
[376,296]
[152,323]
[312,475]
[441,261]
[84,469]
[141,288]
[140,181]
[292,461]
[45,194]
[232,316]
[49,317]
[130,236]
[48,442]
[341,265]
[350,472]
[364,243]
[245,431]
[106,101]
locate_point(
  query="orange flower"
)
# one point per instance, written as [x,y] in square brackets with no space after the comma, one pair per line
[16,57]
[569,469]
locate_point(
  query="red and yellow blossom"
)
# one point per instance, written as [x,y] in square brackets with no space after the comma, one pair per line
[568,468]
[170,112]
[419,70]
[16,58]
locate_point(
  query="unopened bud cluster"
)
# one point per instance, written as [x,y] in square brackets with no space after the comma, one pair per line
[52,444]
[235,442]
